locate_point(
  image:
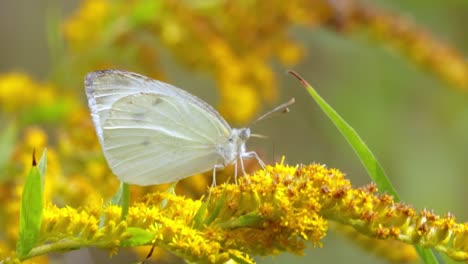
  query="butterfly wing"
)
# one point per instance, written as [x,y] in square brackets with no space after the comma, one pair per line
[155,134]
[105,87]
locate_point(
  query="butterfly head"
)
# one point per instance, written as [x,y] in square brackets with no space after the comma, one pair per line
[235,146]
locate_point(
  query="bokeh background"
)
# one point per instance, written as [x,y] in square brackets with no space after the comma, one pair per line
[405,94]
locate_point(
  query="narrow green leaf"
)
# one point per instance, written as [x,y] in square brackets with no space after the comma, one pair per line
[139,237]
[248,220]
[42,167]
[366,156]
[7,143]
[170,190]
[217,209]
[122,198]
[31,210]
[198,218]
[429,256]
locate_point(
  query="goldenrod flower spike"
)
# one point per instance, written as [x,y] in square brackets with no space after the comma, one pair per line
[278,209]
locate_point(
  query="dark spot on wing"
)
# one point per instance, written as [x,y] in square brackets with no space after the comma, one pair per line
[128,100]
[145,142]
[138,116]
[155,101]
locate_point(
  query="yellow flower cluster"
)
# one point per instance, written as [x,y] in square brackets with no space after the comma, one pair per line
[380,217]
[67,227]
[207,232]
[274,210]
[284,215]
[171,217]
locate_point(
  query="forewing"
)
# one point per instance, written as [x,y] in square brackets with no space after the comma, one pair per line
[151,138]
[104,88]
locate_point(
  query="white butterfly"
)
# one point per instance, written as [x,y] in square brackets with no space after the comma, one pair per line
[152,132]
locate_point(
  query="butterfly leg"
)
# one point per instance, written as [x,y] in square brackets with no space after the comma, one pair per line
[215,167]
[242,164]
[243,168]
[255,155]
[235,172]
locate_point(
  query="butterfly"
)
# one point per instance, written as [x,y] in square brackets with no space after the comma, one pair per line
[152,132]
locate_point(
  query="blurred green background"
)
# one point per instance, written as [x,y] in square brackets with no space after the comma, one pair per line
[415,124]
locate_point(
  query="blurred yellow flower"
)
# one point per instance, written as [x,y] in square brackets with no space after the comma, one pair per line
[16,91]
[87,23]
[239,102]
[290,53]
[35,138]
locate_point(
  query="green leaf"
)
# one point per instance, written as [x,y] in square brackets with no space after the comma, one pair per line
[31,209]
[122,198]
[429,256]
[248,220]
[366,156]
[217,209]
[139,237]
[7,143]
[170,190]
[198,218]
[42,167]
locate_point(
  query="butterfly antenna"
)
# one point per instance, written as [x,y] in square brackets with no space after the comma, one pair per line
[282,107]
[258,136]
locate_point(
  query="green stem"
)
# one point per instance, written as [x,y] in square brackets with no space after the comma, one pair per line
[60,246]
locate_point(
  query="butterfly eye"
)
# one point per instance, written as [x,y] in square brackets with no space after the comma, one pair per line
[244,134]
